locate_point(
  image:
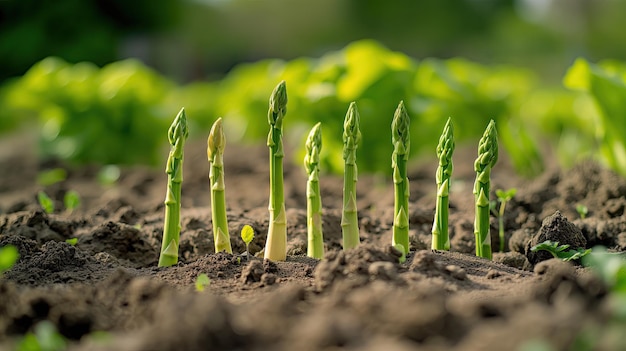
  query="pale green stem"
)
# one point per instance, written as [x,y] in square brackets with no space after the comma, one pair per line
[276,245]
[445,149]
[349,218]
[501,224]
[487,158]
[315,237]
[401,141]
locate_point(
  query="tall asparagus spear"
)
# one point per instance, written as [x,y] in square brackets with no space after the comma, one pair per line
[276,245]
[349,218]
[215,152]
[445,148]
[315,237]
[487,158]
[176,135]
[401,145]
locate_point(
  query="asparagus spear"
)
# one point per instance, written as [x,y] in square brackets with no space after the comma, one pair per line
[177,135]
[445,148]
[349,218]
[487,158]
[276,245]
[215,152]
[315,237]
[401,145]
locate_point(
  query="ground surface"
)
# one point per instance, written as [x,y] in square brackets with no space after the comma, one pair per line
[358,300]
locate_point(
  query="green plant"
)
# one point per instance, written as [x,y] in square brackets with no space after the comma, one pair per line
[108,175]
[202,281]
[349,216]
[582,211]
[46,203]
[71,201]
[177,134]
[315,235]
[8,256]
[445,149]
[487,158]
[503,198]
[561,251]
[72,241]
[45,337]
[247,235]
[401,140]
[276,246]
[51,176]
[215,152]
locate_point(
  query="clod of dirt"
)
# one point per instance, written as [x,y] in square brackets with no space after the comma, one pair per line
[561,282]
[36,225]
[519,239]
[555,228]
[252,272]
[513,259]
[353,265]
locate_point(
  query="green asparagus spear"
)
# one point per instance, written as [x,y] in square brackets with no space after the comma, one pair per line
[401,145]
[349,218]
[177,135]
[276,245]
[315,237]
[215,152]
[487,158]
[445,148]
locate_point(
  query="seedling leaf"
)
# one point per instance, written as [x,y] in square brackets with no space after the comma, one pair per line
[51,176]
[202,281]
[247,234]
[559,251]
[8,256]
[582,210]
[71,200]
[45,202]
[72,241]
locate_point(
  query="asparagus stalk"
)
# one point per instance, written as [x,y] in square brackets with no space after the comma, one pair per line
[445,148]
[487,158]
[349,218]
[401,145]
[315,238]
[215,152]
[177,135]
[276,245]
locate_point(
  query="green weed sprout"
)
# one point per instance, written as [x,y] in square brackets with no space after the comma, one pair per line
[71,201]
[8,256]
[72,241]
[315,238]
[445,148]
[45,338]
[349,216]
[247,235]
[51,176]
[215,152]
[45,202]
[561,251]
[487,158]
[582,211]
[202,281]
[177,135]
[401,141]
[276,245]
[503,198]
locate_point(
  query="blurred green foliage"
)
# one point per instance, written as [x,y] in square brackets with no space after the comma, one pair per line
[119,114]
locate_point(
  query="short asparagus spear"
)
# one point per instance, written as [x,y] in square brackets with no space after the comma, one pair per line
[445,148]
[177,135]
[401,145]
[215,152]
[487,158]
[276,245]
[315,237]
[349,218]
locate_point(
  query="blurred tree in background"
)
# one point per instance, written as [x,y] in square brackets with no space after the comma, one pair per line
[195,39]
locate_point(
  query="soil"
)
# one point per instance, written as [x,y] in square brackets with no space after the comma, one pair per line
[361,299]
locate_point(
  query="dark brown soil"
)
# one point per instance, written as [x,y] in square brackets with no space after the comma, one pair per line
[362,299]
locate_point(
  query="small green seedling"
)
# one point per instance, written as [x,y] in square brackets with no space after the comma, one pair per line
[44,338]
[247,234]
[202,281]
[51,176]
[503,198]
[45,202]
[72,241]
[8,256]
[582,211]
[108,175]
[71,201]
[561,251]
